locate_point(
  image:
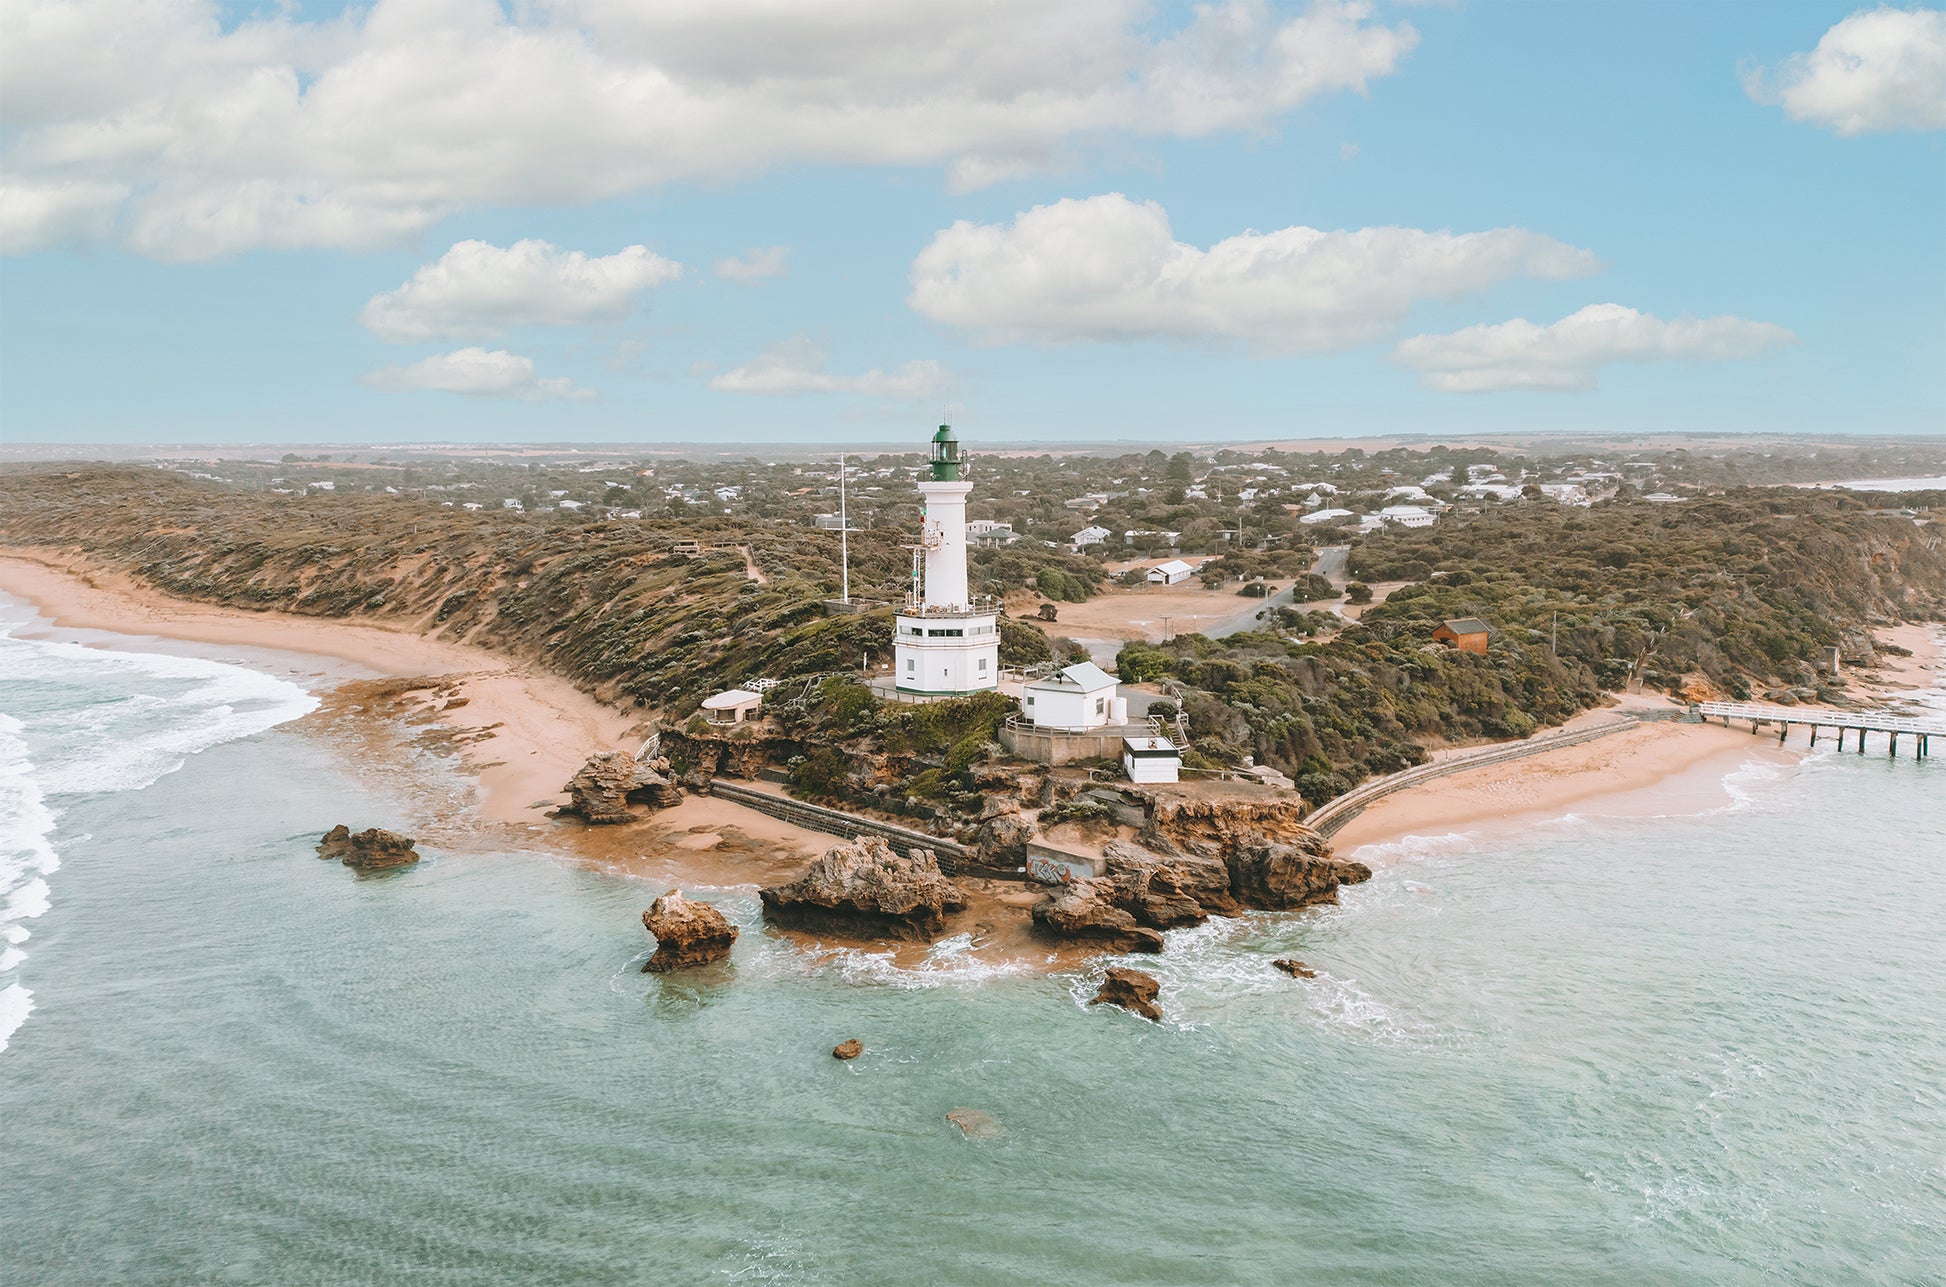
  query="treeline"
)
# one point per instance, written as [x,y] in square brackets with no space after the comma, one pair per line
[1747,591]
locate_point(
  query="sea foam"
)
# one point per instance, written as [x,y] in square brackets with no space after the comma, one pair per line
[77,720]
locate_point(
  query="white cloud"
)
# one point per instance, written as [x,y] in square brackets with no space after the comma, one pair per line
[1563,357]
[34,216]
[1879,69]
[768,261]
[479,373]
[1108,268]
[478,290]
[363,128]
[1346,151]
[797,365]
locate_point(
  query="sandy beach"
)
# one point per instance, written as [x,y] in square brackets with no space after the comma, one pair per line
[539,728]
[1653,769]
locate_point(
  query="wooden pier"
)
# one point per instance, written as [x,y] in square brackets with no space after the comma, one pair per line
[1921,730]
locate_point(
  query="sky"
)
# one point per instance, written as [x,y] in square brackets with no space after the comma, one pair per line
[695,221]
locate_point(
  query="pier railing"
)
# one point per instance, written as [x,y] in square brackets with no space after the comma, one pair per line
[1819,717]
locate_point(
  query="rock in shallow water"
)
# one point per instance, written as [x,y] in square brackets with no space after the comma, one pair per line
[373,849]
[1132,990]
[686,934]
[1296,969]
[848,1049]
[602,791]
[864,889]
[1084,912]
[975,1125]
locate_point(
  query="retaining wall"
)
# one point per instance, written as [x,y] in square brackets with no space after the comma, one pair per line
[953,856]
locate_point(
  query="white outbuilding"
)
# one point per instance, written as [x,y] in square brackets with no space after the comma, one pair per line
[1077,698]
[1151,759]
[735,706]
[1326,516]
[1174,572]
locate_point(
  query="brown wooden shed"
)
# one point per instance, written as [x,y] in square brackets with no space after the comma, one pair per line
[1468,634]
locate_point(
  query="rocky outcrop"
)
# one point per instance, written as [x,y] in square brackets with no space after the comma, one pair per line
[864,889]
[1295,968]
[848,1049]
[611,780]
[1002,840]
[373,849]
[1086,912]
[1280,876]
[1132,990]
[1165,892]
[686,934]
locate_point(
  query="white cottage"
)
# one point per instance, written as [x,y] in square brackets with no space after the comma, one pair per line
[1174,572]
[1078,698]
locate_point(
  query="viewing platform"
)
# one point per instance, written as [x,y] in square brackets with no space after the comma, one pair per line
[1922,728]
[982,606]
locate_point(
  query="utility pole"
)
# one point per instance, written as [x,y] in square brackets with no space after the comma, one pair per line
[844,534]
[1554,636]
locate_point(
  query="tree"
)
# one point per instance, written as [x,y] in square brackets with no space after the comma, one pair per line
[1358,592]
[1049,612]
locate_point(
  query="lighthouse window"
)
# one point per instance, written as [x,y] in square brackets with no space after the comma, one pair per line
[946,634]
[908,665]
[983,665]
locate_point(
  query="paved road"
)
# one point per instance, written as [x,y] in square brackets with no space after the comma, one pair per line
[1332,562]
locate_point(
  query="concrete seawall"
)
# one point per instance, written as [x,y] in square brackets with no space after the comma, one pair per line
[953,856]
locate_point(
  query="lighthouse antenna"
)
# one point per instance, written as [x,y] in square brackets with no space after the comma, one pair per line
[844,535]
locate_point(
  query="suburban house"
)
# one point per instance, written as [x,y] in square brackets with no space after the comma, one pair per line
[1078,698]
[1408,515]
[1173,572]
[1468,634]
[986,531]
[1089,536]
[1327,516]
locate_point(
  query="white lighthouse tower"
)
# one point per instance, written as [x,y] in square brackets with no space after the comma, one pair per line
[948,642]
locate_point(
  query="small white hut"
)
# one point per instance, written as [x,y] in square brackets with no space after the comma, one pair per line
[1151,759]
[733,707]
[1174,572]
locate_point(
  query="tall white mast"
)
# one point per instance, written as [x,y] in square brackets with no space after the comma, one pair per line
[844,532]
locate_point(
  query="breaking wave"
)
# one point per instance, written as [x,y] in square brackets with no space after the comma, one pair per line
[77,720]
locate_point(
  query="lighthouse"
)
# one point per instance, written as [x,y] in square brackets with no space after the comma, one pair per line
[947,641]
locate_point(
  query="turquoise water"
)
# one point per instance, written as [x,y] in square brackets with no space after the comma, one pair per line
[1697,1049]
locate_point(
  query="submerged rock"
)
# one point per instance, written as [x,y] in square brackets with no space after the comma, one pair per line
[1132,990]
[1296,969]
[848,1049]
[1086,912]
[975,1125]
[686,934]
[373,849]
[865,889]
[610,781]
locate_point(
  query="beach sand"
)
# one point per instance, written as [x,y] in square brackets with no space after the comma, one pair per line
[546,730]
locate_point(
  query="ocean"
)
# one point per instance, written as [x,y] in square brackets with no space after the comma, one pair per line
[1691,1049]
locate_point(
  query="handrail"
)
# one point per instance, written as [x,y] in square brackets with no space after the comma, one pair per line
[1875,721]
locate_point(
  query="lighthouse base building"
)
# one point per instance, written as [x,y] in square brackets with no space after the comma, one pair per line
[947,641]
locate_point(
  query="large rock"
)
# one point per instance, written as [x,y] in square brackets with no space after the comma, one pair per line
[373,849]
[1086,912]
[1279,876]
[1168,892]
[686,933]
[1132,990]
[610,781]
[864,889]
[1002,840]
